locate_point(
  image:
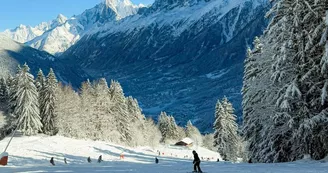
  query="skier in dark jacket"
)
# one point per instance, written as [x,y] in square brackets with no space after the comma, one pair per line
[52,161]
[196,162]
[100,159]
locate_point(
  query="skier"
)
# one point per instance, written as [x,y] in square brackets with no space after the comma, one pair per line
[122,155]
[156,160]
[65,161]
[89,159]
[52,161]
[100,159]
[196,162]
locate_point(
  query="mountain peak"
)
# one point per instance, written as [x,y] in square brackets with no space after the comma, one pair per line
[122,8]
[61,18]
[115,3]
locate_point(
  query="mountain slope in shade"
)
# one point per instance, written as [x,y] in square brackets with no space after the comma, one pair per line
[175,56]
[12,54]
[58,35]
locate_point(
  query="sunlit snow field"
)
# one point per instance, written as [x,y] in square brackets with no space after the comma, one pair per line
[32,154]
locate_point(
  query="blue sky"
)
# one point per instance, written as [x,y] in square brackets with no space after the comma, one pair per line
[33,12]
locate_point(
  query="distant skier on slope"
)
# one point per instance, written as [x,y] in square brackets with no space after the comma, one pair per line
[196,162]
[100,159]
[52,161]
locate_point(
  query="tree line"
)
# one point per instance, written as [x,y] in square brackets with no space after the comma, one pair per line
[101,112]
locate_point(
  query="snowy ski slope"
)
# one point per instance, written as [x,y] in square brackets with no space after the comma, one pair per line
[32,154]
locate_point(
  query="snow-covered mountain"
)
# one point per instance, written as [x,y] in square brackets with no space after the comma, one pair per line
[13,53]
[176,56]
[24,33]
[58,35]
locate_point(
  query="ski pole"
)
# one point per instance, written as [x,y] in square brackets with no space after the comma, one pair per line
[12,136]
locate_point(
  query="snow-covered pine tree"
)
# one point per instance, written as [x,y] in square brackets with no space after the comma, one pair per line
[174,132]
[69,121]
[208,142]
[99,113]
[291,129]
[298,100]
[163,126]
[134,109]
[88,99]
[152,133]
[258,108]
[26,109]
[257,45]
[138,127]
[193,133]
[39,84]
[40,80]
[226,138]
[103,115]
[4,91]
[12,85]
[47,103]
[120,112]
[181,133]
[168,128]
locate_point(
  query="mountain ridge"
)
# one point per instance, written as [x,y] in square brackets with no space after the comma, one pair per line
[59,34]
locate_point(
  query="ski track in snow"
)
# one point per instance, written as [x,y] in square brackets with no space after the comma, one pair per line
[32,154]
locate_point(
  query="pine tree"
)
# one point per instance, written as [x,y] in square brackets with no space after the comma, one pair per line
[69,119]
[258,108]
[297,101]
[137,122]
[292,126]
[26,106]
[88,99]
[208,142]
[193,133]
[13,86]
[152,133]
[174,129]
[40,81]
[225,136]
[102,114]
[4,91]
[47,103]
[163,126]
[120,112]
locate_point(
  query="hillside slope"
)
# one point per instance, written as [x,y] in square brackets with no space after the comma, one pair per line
[174,56]
[12,54]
